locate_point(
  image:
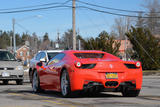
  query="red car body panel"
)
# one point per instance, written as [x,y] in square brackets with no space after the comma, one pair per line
[50,75]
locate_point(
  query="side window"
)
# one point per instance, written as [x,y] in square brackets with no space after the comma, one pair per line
[38,56]
[43,55]
[61,56]
[56,59]
[21,53]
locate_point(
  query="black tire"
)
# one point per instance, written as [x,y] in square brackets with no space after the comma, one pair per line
[30,76]
[130,93]
[5,82]
[91,92]
[65,84]
[19,82]
[36,83]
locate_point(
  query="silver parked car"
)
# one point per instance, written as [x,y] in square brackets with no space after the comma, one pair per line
[10,68]
[46,55]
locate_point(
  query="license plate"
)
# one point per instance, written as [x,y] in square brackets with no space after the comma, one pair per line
[5,74]
[111,75]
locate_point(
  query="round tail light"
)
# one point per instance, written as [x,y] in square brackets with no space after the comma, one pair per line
[78,64]
[138,64]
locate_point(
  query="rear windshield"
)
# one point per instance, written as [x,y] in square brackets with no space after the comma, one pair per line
[89,55]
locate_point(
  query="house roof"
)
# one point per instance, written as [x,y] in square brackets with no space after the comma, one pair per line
[124,43]
[24,46]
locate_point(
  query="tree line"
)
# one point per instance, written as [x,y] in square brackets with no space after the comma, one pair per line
[34,42]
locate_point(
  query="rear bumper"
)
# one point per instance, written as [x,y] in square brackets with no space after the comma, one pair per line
[12,77]
[81,78]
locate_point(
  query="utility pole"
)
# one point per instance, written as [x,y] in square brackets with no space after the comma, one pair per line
[57,43]
[73,24]
[11,43]
[79,41]
[14,38]
[126,29]
[58,36]
[79,44]
[125,46]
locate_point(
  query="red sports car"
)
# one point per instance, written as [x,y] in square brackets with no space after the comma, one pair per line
[91,71]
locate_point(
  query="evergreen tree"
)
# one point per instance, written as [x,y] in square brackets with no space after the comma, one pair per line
[103,42]
[45,37]
[46,42]
[146,47]
[25,37]
[5,40]
[18,40]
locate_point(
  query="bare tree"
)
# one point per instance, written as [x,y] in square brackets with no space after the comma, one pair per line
[67,40]
[140,23]
[121,26]
[153,8]
[35,41]
[45,45]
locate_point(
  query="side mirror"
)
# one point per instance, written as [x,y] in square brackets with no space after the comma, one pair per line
[39,64]
[42,60]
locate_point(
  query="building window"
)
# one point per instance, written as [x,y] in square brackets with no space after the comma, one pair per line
[25,53]
[27,60]
[21,53]
[28,53]
[23,58]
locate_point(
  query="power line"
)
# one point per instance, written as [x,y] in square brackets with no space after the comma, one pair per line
[59,6]
[122,10]
[112,13]
[146,52]
[33,6]
[35,9]
[29,6]
[22,27]
[91,21]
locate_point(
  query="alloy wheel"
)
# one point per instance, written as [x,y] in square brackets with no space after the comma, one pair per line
[35,82]
[64,84]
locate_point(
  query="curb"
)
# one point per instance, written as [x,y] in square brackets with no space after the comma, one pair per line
[154,73]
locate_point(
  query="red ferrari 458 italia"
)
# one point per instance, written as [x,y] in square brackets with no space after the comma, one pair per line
[88,71]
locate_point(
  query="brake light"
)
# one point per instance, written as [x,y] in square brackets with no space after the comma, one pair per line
[138,64]
[78,64]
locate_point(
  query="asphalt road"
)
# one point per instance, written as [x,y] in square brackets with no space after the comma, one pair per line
[21,96]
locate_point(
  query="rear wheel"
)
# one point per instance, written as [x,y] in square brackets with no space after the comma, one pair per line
[19,82]
[36,83]
[65,84]
[130,93]
[5,82]
[30,75]
[94,91]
